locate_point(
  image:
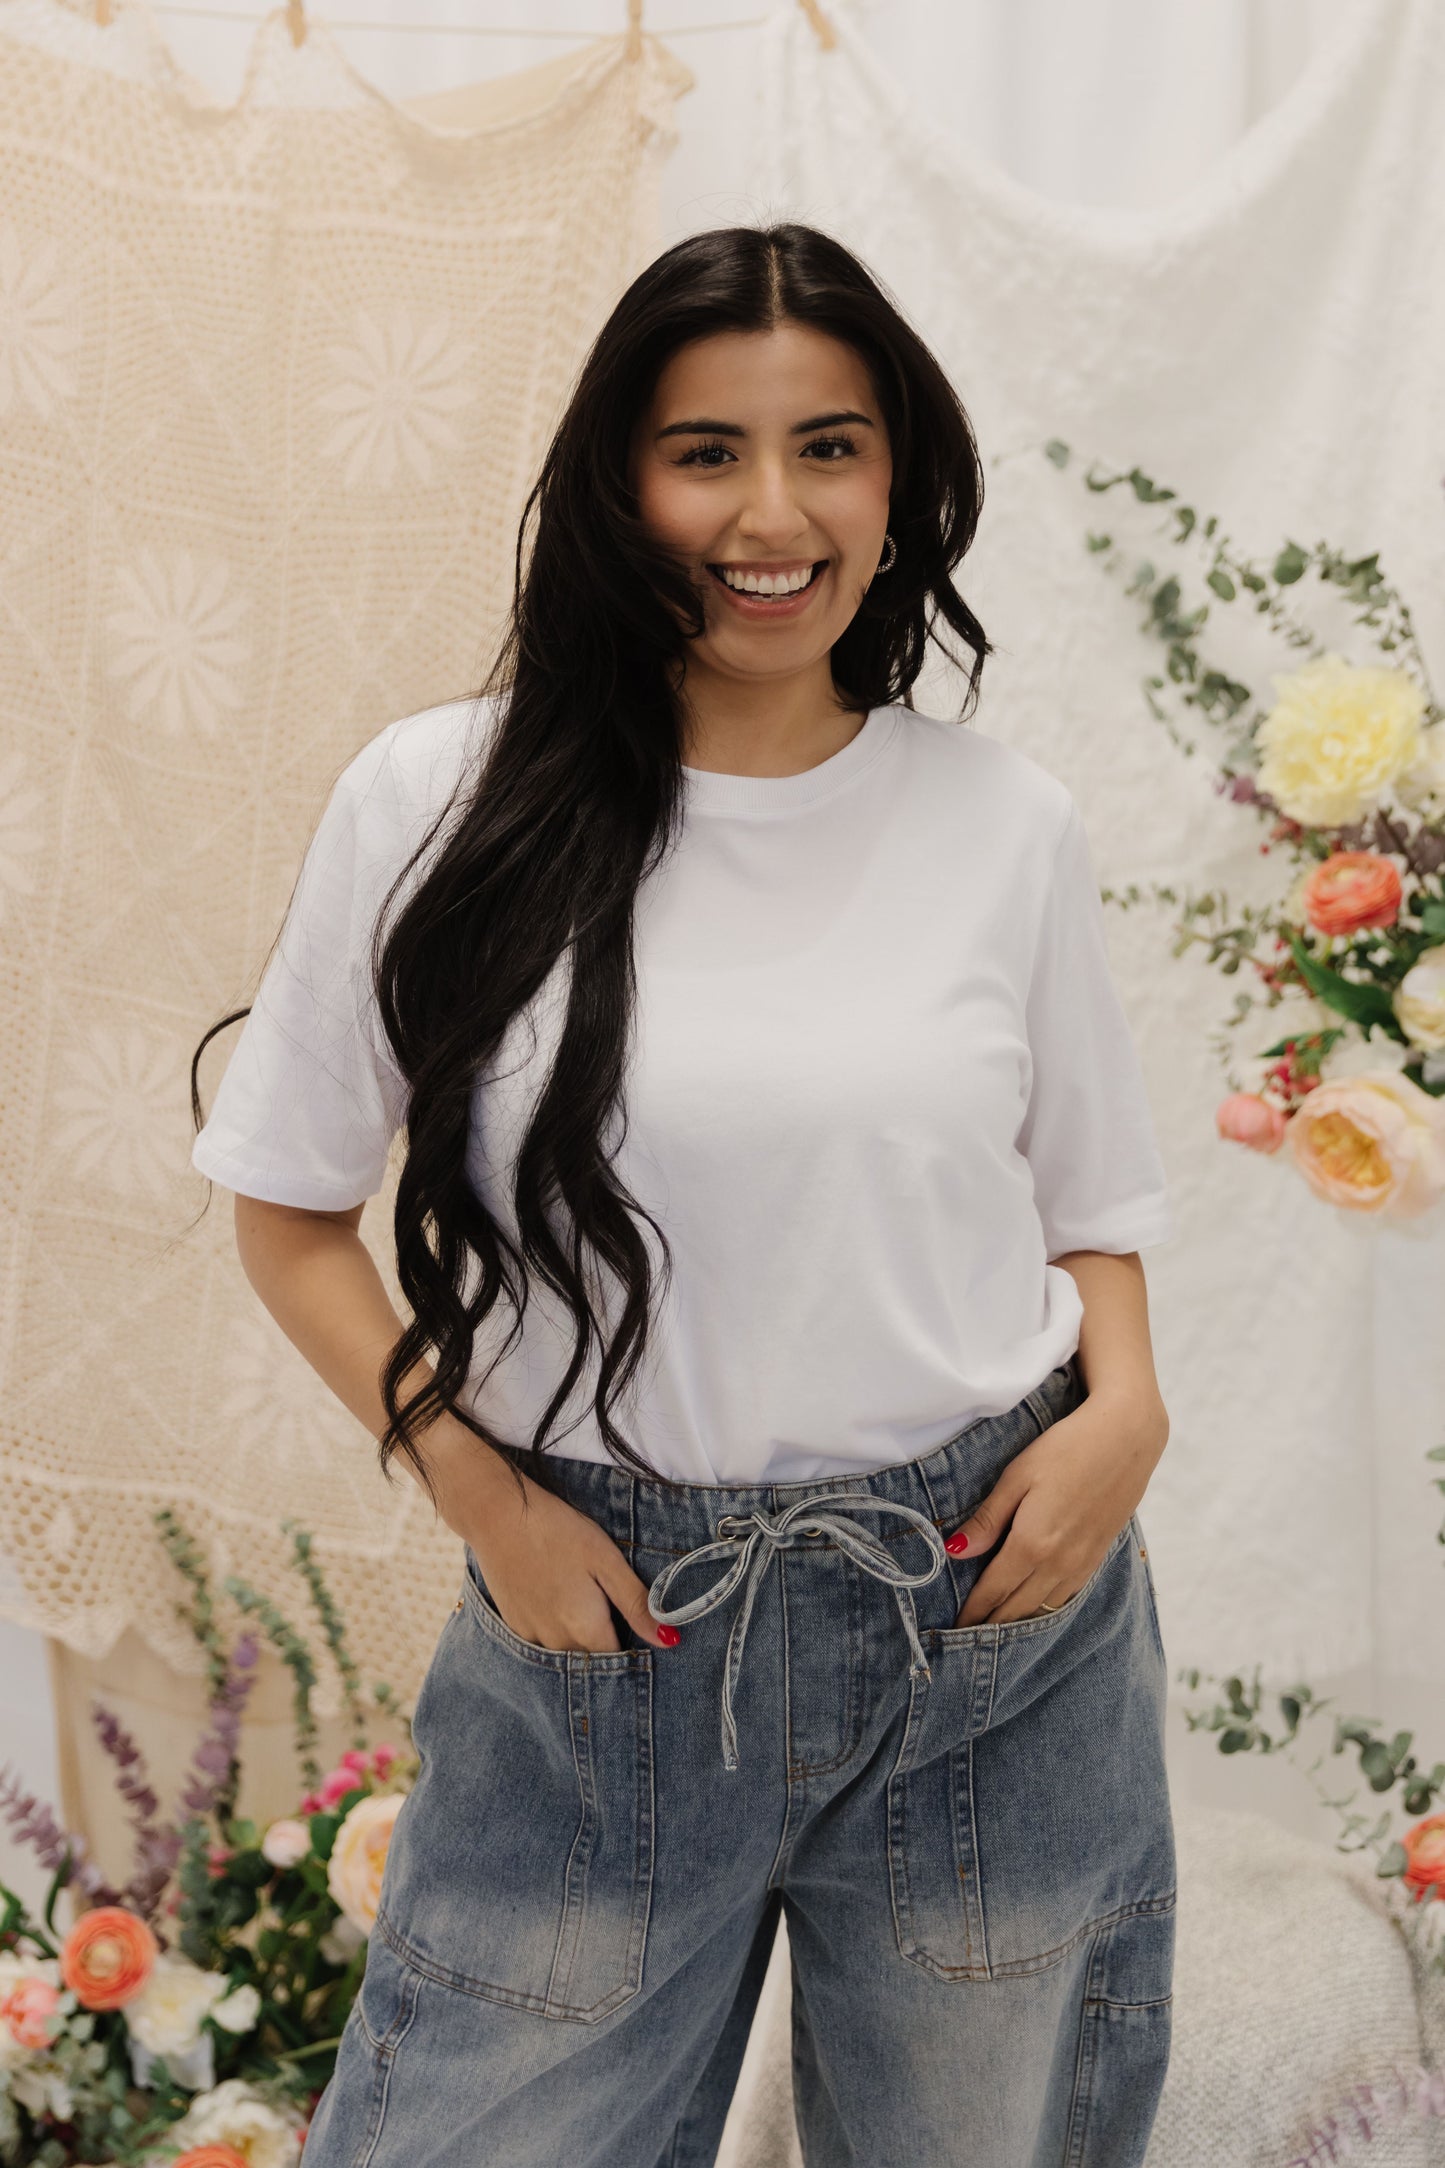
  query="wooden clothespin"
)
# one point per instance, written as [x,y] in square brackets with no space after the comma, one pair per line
[296,21]
[827,35]
[634,29]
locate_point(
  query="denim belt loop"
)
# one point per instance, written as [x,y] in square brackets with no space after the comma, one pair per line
[769,1533]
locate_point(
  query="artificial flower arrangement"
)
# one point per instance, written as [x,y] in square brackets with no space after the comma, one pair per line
[192,2017]
[1346,766]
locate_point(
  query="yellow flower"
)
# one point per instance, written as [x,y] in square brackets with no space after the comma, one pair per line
[1337,737]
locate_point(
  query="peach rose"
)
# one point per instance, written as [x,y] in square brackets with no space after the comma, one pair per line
[1351,890]
[107,1957]
[27,2009]
[1425,1852]
[358,1856]
[1245,1118]
[211,2156]
[1373,1143]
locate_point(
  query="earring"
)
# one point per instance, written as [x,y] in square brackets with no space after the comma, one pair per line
[886,562]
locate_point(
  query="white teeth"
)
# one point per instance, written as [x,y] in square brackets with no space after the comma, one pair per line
[767,583]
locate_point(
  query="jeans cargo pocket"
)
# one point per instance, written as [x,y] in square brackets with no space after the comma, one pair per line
[1125,2039]
[520,1867]
[1029,1800]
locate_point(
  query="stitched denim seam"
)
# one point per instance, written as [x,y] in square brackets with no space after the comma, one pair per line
[854,1706]
[1022,1967]
[1081,2102]
[548,1659]
[488,1991]
[1017,1628]
[384,2064]
[579,1853]
[899,1889]
[951,1568]
[780,1857]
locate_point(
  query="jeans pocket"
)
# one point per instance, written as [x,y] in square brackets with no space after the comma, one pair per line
[520,1867]
[1124,2040]
[1029,1799]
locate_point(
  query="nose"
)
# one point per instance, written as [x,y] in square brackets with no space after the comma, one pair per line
[772,514]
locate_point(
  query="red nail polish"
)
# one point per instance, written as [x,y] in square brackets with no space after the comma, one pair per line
[957,1543]
[668,1636]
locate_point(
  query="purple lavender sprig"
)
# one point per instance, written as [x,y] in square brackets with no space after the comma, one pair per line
[61,1850]
[215,1756]
[157,1845]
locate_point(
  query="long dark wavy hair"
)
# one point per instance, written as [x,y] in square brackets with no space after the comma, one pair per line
[576,799]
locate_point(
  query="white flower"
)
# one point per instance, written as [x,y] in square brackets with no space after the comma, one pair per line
[238,2011]
[400,383]
[193,2067]
[1422,786]
[165,2017]
[1420,1001]
[121,1097]
[343,1938]
[286,1842]
[39,327]
[175,639]
[1363,1052]
[233,2114]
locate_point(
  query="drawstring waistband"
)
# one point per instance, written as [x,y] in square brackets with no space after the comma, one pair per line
[769,1534]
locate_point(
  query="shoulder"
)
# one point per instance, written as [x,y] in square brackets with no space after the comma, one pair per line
[1015,793]
[401,779]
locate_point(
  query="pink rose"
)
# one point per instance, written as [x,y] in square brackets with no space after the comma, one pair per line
[27,2009]
[1245,1118]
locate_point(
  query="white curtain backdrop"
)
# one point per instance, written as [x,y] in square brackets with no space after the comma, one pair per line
[1196,237]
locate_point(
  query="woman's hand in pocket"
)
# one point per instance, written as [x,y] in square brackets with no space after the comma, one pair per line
[1063,1499]
[549,1569]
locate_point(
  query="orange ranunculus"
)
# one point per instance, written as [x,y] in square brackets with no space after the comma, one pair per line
[1425,1851]
[211,2156]
[107,1957]
[1352,890]
[1245,1118]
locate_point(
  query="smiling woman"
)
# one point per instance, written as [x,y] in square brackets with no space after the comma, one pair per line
[765,1091]
[764,461]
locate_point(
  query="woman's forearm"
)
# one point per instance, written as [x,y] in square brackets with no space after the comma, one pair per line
[319,1281]
[1115,1353]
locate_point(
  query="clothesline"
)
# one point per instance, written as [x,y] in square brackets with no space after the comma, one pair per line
[466,30]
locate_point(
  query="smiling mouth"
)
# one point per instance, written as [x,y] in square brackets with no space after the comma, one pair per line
[759,593]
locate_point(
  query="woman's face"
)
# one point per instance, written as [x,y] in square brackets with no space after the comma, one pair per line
[763,458]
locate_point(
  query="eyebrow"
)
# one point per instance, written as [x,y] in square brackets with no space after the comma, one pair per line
[734,429]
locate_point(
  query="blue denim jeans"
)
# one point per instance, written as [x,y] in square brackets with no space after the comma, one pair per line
[967,1829]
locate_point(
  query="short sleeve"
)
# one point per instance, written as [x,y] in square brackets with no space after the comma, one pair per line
[1087,1134]
[311,1098]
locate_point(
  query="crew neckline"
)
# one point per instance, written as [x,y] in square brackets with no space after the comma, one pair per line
[710,791]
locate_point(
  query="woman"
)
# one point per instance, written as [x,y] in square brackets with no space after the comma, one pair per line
[777,1162]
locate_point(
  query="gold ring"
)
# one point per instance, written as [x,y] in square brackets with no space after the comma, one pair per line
[1051,1607]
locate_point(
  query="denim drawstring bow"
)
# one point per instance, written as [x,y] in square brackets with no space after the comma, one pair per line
[769,1533]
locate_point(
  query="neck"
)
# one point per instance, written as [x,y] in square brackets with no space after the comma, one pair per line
[778,727]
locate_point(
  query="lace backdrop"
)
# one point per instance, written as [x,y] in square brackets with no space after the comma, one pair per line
[276,378]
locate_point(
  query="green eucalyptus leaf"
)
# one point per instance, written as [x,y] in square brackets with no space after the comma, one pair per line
[1363,1002]
[1057,451]
[1233,1742]
[1393,1860]
[1290,564]
[1222,584]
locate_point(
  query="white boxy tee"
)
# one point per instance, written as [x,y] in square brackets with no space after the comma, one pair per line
[880,1077]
